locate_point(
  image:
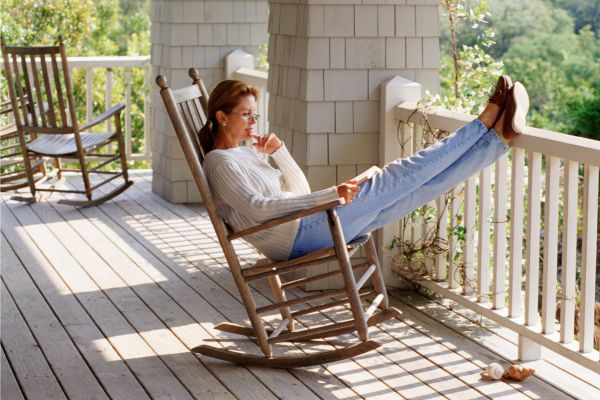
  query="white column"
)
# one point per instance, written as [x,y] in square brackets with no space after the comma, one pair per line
[199,34]
[327,61]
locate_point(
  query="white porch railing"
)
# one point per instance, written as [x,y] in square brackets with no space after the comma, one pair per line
[546,168]
[108,64]
[240,65]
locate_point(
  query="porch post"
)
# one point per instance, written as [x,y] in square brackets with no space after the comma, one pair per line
[327,60]
[199,34]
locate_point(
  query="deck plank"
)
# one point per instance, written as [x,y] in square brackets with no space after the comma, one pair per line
[9,387]
[481,357]
[278,381]
[552,359]
[30,365]
[108,367]
[142,303]
[75,376]
[217,280]
[473,376]
[148,280]
[387,368]
[150,369]
[534,387]
[371,386]
[166,303]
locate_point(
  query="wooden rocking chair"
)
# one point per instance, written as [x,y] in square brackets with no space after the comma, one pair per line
[185,110]
[43,107]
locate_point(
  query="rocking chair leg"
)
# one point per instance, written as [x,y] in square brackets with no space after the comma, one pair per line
[28,169]
[362,328]
[250,305]
[58,165]
[121,146]
[279,294]
[378,281]
[85,175]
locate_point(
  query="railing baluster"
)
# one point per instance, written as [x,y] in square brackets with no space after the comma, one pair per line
[550,245]
[454,207]
[441,266]
[569,252]
[89,93]
[147,114]
[533,237]
[417,221]
[536,148]
[469,255]
[128,135]
[588,260]
[483,244]
[89,64]
[429,227]
[406,150]
[516,232]
[108,102]
[500,233]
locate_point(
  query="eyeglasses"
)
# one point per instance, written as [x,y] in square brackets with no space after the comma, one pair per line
[248,116]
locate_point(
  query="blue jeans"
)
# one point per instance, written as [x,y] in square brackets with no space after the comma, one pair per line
[403,185]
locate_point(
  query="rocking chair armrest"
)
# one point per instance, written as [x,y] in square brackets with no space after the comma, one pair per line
[286,218]
[104,116]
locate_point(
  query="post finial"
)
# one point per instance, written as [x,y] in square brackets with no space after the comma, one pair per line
[194,74]
[161,81]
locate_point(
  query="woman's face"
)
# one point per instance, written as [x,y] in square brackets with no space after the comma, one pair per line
[239,123]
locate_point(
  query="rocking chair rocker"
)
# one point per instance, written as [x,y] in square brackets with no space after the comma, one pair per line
[44,108]
[187,114]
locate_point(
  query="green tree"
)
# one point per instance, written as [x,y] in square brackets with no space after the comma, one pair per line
[585,13]
[468,70]
[89,27]
[559,70]
[36,22]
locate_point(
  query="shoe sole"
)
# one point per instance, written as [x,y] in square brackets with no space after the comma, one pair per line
[521,100]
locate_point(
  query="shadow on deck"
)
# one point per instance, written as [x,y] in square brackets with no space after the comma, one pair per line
[105,302]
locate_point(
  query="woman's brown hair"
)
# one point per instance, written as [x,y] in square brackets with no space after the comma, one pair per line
[224,97]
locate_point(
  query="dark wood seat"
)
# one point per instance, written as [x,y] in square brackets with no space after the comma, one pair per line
[186,109]
[44,109]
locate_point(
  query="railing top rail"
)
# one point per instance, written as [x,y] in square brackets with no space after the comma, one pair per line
[557,144]
[251,76]
[104,61]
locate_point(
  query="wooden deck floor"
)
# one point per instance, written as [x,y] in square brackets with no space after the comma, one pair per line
[105,302]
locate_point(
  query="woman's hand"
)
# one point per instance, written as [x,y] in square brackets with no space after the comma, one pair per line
[267,143]
[348,190]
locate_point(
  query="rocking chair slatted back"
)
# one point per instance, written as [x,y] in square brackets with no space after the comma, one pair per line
[36,84]
[186,109]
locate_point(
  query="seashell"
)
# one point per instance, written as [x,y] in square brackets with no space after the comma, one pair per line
[494,371]
[518,372]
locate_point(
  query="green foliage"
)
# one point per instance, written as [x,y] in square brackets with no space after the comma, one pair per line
[468,70]
[584,115]
[584,12]
[552,47]
[90,28]
[37,22]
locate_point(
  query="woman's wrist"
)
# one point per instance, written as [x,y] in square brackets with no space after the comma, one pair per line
[277,148]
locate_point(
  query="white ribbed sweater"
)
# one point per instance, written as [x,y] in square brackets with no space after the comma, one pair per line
[248,191]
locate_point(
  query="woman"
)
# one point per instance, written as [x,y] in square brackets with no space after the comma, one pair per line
[248,191]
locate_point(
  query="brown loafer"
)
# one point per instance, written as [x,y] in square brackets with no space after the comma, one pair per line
[500,94]
[515,111]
